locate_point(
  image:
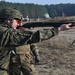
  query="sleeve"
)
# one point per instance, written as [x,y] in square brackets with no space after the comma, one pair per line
[14,37]
[35,52]
[34,48]
[44,34]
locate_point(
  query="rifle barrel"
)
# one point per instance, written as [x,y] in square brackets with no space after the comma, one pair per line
[46,24]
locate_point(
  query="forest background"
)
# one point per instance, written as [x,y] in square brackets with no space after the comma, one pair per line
[38,11]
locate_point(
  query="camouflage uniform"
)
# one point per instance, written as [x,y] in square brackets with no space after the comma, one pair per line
[29,54]
[26,56]
[27,67]
[35,53]
[11,38]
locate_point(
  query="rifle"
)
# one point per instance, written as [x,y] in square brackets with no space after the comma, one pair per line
[57,22]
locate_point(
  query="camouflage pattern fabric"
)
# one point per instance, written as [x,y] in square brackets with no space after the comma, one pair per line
[9,13]
[25,56]
[2,72]
[35,53]
[12,38]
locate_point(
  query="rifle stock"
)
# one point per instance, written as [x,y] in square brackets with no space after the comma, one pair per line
[52,23]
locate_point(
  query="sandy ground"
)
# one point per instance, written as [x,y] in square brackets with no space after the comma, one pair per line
[56,58]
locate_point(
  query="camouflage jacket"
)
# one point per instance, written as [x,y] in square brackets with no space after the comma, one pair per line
[11,38]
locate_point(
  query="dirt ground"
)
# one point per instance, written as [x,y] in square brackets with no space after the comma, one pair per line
[56,56]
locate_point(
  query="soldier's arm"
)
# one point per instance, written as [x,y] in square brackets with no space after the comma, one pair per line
[35,51]
[17,37]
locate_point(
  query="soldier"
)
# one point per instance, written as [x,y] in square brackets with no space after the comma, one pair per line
[11,38]
[28,54]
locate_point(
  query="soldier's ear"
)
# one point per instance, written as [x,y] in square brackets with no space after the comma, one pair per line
[8,21]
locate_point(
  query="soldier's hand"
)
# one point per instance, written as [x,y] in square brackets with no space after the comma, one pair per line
[65,27]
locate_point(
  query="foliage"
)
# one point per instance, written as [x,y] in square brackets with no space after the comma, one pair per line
[38,11]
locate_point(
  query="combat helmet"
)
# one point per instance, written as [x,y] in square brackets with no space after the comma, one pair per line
[10,13]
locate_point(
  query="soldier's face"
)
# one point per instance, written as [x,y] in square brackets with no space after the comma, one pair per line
[16,23]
